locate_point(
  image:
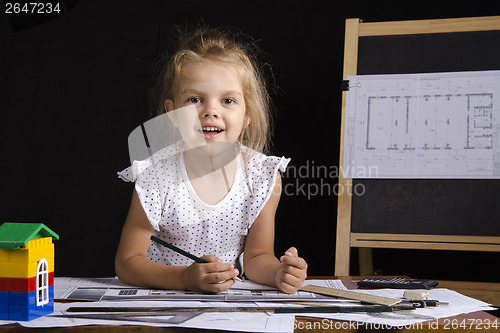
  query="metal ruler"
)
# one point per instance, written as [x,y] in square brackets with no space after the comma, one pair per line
[120,312]
[351,295]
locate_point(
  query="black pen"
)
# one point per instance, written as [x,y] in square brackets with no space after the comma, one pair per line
[184,253]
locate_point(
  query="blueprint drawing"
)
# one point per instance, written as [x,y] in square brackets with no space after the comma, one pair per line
[431,125]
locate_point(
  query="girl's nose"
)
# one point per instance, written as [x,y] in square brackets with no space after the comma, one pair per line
[210,111]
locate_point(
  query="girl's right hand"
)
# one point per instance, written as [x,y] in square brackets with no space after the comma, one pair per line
[214,276]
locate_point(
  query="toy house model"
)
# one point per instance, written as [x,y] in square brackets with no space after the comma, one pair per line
[26,271]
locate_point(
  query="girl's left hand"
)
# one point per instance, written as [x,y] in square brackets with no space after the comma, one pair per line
[292,272]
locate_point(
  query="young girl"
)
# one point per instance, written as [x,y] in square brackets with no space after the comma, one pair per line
[226,215]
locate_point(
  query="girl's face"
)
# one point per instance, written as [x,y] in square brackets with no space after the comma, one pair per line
[215,90]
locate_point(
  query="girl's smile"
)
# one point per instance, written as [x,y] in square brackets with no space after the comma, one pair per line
[210,132]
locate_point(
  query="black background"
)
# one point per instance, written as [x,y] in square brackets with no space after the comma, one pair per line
[73,86]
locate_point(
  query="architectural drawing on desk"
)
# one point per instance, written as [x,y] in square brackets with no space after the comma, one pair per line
[440,125]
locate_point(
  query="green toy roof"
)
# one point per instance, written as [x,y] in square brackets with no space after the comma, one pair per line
[15,235]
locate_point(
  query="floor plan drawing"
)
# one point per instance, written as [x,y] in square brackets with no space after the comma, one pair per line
[433,125]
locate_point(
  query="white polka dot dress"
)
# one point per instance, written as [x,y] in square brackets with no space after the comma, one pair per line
[181,218]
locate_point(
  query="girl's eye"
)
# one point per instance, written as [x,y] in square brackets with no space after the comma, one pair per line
[228,101]
[194,100]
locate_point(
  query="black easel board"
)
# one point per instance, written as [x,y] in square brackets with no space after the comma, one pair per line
[428,206]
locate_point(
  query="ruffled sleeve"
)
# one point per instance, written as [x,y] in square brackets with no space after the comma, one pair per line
[131,173]
[148,186]
[152,178]
[262,172]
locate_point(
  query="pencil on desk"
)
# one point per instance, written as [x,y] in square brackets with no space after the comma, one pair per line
[184,253]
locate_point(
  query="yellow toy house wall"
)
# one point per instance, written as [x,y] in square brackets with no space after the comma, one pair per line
[22,263]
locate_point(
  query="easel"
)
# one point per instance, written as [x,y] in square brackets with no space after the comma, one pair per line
[366,241]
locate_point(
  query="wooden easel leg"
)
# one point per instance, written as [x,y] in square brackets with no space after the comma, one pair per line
[365,261]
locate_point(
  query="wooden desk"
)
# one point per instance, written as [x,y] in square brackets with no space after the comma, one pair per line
[476,321]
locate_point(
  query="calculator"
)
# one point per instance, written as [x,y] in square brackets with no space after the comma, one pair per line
[397,283]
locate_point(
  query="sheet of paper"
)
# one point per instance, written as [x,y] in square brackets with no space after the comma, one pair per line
[458,304]
[66,285]
[335,284]
[431,125]
[113,290]
[63,286]
[251,321]
[250,285]
[234,321]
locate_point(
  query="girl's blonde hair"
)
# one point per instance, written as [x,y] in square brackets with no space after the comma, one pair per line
[218,45]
